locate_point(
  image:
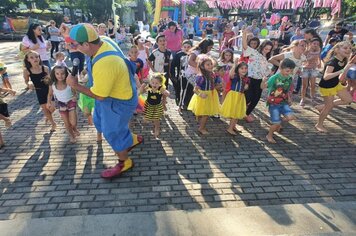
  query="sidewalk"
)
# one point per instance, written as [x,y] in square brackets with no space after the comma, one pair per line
[298,219]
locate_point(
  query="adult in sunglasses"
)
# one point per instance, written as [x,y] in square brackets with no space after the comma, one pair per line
[338,32]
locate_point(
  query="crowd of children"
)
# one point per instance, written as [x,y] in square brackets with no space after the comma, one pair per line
[228,87]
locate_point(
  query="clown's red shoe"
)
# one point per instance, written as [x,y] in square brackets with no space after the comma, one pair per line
[137,140]
[117,170]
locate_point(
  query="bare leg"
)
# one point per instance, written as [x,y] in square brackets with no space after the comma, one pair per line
[304,91]
[99,137]
[7,120]
[49,117]
[344,98]
[1,141]
[312,82]
[232,127]
[202,124]
[271,131]
[73,122]
[7,84]
[328,106]
[69,128]
[156,124]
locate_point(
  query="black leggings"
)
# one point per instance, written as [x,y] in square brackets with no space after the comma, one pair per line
[186,93]
[54,47]
[253,95]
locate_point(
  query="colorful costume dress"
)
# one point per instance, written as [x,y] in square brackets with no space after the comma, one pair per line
[234,105]
[205,106]
[153,105]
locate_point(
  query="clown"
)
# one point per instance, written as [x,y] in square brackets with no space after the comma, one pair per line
[111,77]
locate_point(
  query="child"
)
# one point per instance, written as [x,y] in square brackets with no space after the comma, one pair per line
[279,97]
[234,105]
[66,101]
[227,59]
[154,104]
[309,71]
[143,54]
[190,31]
[60,59]
[179,65]
[5,77]
[161,58]
[86,103]
[335,70]
[205,101]
[327,48]
[4,113]
[133,56]
[227,35]
[37,72]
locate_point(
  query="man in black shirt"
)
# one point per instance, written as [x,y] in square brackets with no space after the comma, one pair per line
[338,32]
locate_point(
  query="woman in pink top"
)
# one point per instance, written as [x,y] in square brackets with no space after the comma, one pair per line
[174,37]
[33,40]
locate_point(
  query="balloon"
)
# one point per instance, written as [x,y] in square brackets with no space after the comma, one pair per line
[351,73]
[264,32]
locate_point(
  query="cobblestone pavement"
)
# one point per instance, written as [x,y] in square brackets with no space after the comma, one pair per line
[42,175]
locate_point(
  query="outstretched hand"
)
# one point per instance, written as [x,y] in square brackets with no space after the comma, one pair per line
[72,81]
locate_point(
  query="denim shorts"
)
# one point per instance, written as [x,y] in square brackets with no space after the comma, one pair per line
[309,73]
[276,111]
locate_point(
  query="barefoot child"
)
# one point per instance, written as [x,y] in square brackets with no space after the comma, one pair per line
[310,69]
[37,72]
[205,101]
[234,105]
[66,101]
[336,67]
[154,103]
[278,99]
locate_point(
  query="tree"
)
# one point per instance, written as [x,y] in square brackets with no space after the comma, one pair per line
[6,6]
[199,8]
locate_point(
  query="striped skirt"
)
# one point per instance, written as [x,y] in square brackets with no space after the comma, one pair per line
[153,112]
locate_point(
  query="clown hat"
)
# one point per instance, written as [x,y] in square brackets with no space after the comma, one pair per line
[83,33]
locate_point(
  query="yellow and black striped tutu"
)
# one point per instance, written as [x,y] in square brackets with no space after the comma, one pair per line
[153,112]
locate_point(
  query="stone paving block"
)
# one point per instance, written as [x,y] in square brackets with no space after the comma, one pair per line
[42,176]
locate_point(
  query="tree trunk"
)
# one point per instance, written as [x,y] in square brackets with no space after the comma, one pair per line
[140,10]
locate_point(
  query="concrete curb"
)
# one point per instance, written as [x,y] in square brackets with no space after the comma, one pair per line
[298,219]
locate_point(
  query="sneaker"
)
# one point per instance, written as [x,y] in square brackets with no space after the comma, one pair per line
[117,170]
[302,103]
[249,118]
[295,92]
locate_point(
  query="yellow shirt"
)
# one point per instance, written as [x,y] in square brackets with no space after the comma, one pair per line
[111,76]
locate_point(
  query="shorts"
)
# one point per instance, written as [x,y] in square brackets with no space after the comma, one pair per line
[64,107]
[4,76]
[326,92]
[220,34]
[276,111]
[309,73]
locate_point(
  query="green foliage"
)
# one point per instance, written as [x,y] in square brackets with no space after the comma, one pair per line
[199,8]
[6,6]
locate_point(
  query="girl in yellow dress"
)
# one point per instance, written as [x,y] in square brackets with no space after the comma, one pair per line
[205,101]
[234,105]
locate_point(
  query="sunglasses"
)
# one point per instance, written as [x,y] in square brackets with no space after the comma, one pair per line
[74,45]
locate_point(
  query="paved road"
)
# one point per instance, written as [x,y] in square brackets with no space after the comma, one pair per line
[42,175]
